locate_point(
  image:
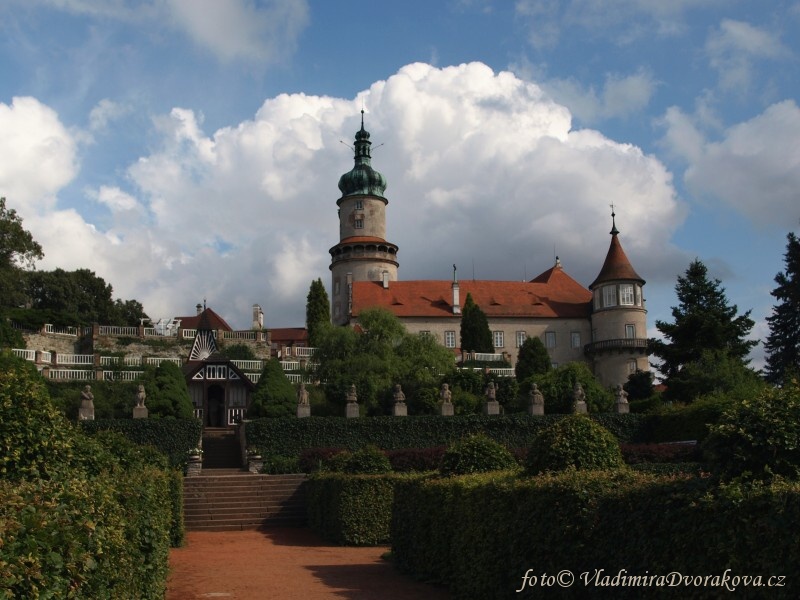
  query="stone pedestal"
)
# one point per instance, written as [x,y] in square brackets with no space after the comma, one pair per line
[255,463]
[536,409]
[447,409]
[622,408]
[139,412]
[579,408]
[492,407]
[303,410]
[351,410]
[194,467]
[399,409]
[86,413]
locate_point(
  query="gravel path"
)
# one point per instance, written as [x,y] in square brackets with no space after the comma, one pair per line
[285,563]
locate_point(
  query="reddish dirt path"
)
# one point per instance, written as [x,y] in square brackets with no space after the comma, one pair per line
[285,563]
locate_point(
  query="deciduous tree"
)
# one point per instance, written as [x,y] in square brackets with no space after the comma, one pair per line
[18,252]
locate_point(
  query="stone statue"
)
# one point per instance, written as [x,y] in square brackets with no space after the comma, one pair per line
[86,410]
[491,392]
[351,410]
[621,405]
[352,397]
[535,401]
[140,397]
[579,399]
[491,406]
[446,395]
[302,395]
[398,396]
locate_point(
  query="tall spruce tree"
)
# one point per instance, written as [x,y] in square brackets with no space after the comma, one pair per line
[783,343]
[475,333]
[318,311]
[533,359]
[704,322]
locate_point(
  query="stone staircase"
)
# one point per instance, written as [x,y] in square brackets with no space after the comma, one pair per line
[232,499]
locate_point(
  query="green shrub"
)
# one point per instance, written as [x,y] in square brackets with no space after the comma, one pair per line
[574,442]
[276,465]
[476,454]
[338,462]
[759,437]
[557,387]
[683,422]
[367,461]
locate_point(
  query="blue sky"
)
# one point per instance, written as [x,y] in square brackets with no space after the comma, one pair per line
[190,149]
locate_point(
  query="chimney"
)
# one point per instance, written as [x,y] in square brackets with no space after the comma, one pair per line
[386,280]
[199,308]
[258,317]
[456,297]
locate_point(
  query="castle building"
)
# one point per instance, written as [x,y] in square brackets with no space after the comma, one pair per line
[604,325]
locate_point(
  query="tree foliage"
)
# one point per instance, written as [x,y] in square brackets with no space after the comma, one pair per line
[533,359]
[318,311]
[783,342]
[18,251]
[167,394]
[639,385]
[375,356]
[557,386]
[274,395]
[703,321]
[475,333]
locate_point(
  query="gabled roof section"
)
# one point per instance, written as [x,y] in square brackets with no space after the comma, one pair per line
[616,266]
[288,334]
[551,295]
[207,319]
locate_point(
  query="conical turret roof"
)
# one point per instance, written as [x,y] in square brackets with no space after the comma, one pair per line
[362,179]
[616,266]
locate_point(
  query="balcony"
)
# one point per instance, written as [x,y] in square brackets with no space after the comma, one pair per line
[637,345]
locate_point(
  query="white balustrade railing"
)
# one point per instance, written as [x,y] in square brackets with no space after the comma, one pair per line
[108,361]
[47,357]
[128,361]
[115,330]
[303,352]
[485,356]
[24,354]
[157,360]
[298,378]
[254,377]
[238,335]
[290,365]
[74,359]
[70,375]
[122,375]
[73,331]
[236,415]
[502,372]
[249,365]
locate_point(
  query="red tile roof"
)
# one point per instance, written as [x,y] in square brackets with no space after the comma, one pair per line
[207,319]
[551,294]
[288,334]
[616,266]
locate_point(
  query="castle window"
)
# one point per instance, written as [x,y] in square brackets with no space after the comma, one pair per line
[626,294]
[575,339]
[609,296]
[630,331]
[638,295]
[521,337]
[425,333]
[336,286]
[359,205]
[597,304]
[632,368]
[550,339]
[498,339]
[359,224]
[449,339]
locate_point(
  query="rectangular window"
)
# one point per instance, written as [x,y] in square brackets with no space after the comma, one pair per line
[550,339]
[630,331]
[638,295]
[632,367]
[609,296]
[597,303]
[575,339]
[359,205]
[521,337]
[449,339]
[626,294]
[336,287]
[554,365]
[424,333]
[499,339]
[359,224]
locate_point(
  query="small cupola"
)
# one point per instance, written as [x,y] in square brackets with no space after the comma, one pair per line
[618,285]
[362,179]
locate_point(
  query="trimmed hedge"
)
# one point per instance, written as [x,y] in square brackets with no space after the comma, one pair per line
[292,436]
[352,510]
[173,437]
[480,534]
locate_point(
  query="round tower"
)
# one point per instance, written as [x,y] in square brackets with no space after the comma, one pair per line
[362,254]
[619,318]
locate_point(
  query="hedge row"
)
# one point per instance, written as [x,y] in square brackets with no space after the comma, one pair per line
[480,534]
[105,537]
[352,510]
[173,437]
[291,436]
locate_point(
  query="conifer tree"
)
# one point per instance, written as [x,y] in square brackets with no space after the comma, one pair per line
[704,323]
[783,343]
[318,311]
[533,359]
[475,333]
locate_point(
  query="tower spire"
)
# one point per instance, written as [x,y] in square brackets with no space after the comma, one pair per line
[614,230]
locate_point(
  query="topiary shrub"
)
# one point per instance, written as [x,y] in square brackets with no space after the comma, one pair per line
[370,460]
[573,442]
[758,437]
[337,463]
[476,454]
[408,460]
